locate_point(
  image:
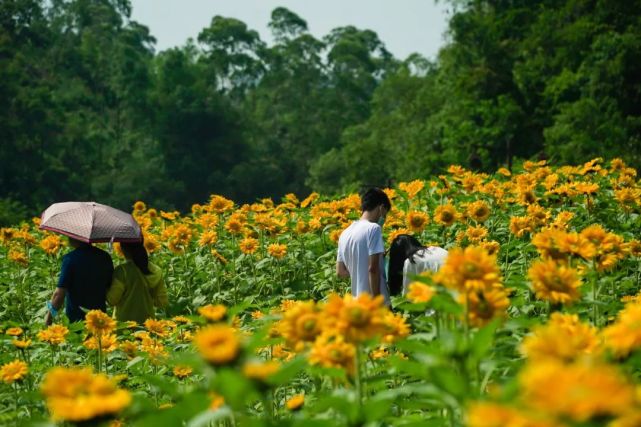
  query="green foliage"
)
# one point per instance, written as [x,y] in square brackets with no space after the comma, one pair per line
[516,80]
[93,112]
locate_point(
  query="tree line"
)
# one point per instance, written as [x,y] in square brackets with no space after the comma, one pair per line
[90,110]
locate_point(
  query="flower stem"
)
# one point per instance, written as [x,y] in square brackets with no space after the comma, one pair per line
[357,377]
[99,339]
[595,309]
[15,402]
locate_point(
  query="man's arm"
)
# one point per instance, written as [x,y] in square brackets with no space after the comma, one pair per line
[341,270]
[57,300]
[374,270]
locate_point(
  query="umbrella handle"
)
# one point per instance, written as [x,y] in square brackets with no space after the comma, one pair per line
[111,244]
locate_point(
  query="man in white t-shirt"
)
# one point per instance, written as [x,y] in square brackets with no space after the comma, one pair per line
[361,250]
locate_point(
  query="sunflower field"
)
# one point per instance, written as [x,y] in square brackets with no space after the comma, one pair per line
[534,320]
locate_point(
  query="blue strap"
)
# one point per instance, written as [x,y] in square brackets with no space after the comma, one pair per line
[52,310]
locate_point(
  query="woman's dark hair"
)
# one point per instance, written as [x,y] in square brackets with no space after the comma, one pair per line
[373,198]
[403,247]
[138,254]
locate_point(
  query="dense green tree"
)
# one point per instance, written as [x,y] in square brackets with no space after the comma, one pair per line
[25,91]
[197,128]
[91,111]
[517,79]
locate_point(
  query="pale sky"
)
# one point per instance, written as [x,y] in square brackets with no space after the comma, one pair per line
[405,26]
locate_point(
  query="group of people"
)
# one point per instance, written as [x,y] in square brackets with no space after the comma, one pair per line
[136,287]
[89,281]
[361,252]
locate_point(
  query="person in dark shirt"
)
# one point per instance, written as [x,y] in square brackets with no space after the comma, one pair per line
[85,277]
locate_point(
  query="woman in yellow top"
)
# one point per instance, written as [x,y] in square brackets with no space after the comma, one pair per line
[137,286]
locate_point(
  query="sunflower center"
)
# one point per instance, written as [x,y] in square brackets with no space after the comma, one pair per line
[472,270]
[358,316]
[336,355]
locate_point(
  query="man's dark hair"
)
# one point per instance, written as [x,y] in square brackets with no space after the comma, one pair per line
[374,197]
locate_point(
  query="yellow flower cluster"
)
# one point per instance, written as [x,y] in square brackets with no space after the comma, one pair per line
[277,250]
[13,371]
[333,329]
[416,221]
[78,395]
[478,210]
[412,188]
[54,334]
[420,292]
[213,313]
[583,390]
[99,323]
[218,344]
[19,257]
[474,274]
[624,335]
[555,282]
[260,371]
[51,244]
[564,338]
[177,237]
[182,371]
[446,215]
[105,343]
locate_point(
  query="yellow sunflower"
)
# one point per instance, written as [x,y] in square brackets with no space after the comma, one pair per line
[248,245]
[332,351]
[99,323]
[77,395]
[446,215]
[218,344]
[416,221]
[478,210]
[296,402]
[564,338]
[471,268]
[213,313]
[484,305]
[54,334]
[419,292]
[13,371]
[277,250]
[356,318]
[301,323]
[260,371]
[624,335]
[555,282]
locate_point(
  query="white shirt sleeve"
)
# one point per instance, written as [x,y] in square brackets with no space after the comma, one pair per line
[375,241]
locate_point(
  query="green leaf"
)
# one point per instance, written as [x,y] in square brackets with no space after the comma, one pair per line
[443,302]
[190,405]
[376,409]
[288,371]
[235,388]
[449,381]
[136,360]
[204,419]
[482,340]
[342,402]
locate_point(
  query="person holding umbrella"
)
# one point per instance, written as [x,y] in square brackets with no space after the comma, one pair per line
[84,279]
[87,271]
